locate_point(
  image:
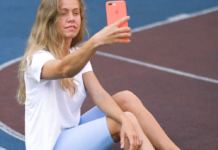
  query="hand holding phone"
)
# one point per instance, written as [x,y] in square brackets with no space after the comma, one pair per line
[115,11]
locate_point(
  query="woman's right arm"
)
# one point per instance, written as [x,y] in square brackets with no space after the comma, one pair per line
[73,63]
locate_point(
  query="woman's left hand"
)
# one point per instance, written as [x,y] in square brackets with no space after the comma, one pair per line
[128,130]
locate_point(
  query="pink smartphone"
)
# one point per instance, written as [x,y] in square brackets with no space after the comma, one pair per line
[116,10]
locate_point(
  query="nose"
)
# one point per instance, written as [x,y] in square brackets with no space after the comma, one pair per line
[71,17]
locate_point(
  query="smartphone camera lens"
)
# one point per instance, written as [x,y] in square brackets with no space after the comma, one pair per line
[112,4]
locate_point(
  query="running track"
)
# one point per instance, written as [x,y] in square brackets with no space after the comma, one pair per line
[158,66]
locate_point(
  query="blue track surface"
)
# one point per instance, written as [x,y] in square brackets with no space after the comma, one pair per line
[17,18]
[7,140]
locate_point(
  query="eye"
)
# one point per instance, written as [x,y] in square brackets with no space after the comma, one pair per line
[63,13]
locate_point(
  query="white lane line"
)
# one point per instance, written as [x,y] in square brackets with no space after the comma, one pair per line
[2,148]
[165,69]
[5,65]
[11,132]
[176,18]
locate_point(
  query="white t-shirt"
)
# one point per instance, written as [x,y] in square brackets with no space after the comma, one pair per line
[48,108]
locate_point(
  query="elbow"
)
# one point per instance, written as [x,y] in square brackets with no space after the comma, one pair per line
[69,72]
[66,73]
[64,70]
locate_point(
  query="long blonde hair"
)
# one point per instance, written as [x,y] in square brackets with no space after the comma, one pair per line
[45,35]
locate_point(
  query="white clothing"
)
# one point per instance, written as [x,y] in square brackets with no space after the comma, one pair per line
[48,108]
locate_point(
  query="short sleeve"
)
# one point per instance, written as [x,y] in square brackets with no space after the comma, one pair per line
[87,68]
[39,58]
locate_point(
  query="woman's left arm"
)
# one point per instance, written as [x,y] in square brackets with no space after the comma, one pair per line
[107,105]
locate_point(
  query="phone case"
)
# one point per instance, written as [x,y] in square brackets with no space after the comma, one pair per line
[115,11]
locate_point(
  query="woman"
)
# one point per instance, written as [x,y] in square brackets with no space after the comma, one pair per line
[54,74]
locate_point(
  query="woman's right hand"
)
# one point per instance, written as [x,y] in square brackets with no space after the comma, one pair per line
[111,34]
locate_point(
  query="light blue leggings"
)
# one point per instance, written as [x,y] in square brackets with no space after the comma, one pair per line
[92,133]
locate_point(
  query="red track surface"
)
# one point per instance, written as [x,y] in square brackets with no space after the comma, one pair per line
[185,108]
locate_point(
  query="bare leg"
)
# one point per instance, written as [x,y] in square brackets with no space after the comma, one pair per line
[129,102]
[114,128]
[146,145]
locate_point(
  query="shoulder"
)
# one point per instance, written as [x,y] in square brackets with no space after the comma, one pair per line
[39,56]
[42,52]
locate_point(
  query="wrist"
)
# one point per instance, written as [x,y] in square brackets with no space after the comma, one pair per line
[123,119]
[95,41]
[92,45]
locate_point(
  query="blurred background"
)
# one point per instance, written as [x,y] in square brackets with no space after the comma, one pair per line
[185,107]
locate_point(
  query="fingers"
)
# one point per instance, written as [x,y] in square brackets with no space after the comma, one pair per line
[123,35]
[140,141]
[121,41]
[133,143]
[122,136]
[121,21]
[123,29]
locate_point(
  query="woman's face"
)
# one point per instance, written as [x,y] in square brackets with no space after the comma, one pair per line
[70,20]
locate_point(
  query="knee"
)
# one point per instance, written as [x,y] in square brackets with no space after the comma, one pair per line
[130,116]
[125,98]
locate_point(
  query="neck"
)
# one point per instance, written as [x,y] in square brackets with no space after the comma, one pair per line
[67,46]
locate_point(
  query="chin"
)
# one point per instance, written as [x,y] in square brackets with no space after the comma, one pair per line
[70,35]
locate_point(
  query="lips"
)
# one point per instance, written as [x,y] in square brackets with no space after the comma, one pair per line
[71,27]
